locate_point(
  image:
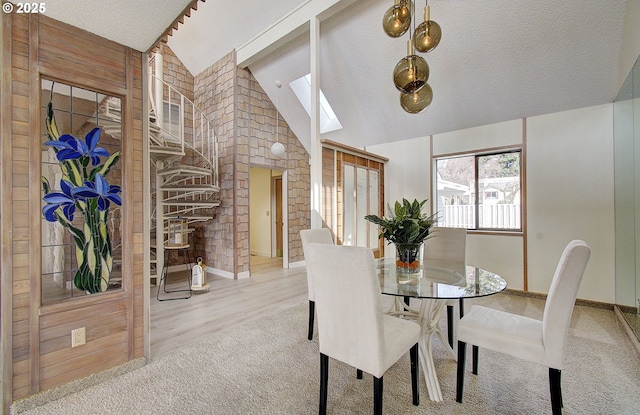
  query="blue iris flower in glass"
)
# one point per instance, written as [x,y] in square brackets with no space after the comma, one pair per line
[100,189]
[71,148]
[64,200]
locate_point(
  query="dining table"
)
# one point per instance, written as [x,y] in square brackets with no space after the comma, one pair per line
[434,283]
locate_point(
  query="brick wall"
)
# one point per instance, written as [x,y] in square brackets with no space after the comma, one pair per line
[245,122]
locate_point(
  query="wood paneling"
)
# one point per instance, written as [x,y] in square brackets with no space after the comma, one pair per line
[36,340]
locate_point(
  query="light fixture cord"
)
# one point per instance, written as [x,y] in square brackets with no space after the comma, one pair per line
[277,114]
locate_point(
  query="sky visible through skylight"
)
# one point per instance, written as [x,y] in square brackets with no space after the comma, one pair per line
[328,119]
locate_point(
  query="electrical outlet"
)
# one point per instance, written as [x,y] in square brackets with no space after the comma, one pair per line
[78,336]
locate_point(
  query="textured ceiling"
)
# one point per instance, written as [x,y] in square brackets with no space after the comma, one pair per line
[134,23]
[498,59]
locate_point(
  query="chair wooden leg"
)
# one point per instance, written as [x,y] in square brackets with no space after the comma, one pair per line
[377,395]
[358,373]
[556,391]
[475,360]
[415,391]
[450,324]
[462,350]
[312,311]
[324,383]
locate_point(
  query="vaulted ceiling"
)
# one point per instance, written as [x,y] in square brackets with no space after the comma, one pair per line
[498,59]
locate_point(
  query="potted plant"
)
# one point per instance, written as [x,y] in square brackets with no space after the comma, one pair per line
[406,227]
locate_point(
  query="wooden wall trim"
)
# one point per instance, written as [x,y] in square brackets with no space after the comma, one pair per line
[6,187]
[352,150]
[127,208]
[186,12]
[35,230]
[146,213]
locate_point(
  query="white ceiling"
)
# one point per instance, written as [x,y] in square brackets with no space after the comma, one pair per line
[498,59]
[134,23]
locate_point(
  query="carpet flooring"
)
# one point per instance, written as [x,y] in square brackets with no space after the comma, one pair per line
[268,366]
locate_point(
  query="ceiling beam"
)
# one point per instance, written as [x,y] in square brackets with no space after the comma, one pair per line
[287,28]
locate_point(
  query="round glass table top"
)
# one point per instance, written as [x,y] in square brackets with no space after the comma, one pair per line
[438,279]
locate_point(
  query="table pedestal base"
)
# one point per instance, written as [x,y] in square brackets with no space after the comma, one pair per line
[428,316]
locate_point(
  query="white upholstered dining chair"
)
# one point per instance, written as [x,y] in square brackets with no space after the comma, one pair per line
[449,245]
[352,327]
[309,236]
[541,342]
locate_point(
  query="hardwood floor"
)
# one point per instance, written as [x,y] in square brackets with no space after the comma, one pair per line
[228,302]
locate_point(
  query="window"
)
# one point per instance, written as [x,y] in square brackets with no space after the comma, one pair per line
[171,121]
[479,191]
[70,267]
[328,119]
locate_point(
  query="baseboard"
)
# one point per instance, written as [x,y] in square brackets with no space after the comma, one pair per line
[221,273]
[61,391]
[627,327]
[296,264]
[541,296]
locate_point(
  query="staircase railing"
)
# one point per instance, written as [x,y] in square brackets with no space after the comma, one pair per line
[184,151]
[180,124]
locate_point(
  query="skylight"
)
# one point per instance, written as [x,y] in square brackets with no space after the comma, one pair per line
[328,120]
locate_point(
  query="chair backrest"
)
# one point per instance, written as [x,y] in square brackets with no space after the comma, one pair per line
[446,244]
[561,300]
[314,236]
[349,305]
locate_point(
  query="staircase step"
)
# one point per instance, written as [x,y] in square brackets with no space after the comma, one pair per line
[194,204]
[191,218]
[161,152]
[190,188]
[183,171]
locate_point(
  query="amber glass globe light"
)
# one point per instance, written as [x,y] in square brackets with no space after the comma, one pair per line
[411,73]
[427,35]
[416,102]
[397,18]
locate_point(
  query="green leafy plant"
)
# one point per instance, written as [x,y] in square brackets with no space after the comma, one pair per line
[406,227]
[406,223]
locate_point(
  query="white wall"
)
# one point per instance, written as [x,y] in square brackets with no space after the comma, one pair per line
[260,211]
[409,165]
[570,196]
[569,172]
[502,254]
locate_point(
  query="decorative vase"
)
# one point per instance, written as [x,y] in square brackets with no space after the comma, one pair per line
[408,258]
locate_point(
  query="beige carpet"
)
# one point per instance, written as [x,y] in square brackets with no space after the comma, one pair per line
[269,367]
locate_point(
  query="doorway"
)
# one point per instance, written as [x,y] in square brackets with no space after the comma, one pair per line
[266,220]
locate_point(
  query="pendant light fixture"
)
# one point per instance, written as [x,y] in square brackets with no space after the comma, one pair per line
[277,149]
[428,33]
[397,19]
[417,101]
[411,73]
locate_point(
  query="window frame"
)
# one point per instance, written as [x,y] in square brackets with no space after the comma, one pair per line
[476,196]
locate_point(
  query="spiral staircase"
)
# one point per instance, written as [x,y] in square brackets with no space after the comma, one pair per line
[184,167]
